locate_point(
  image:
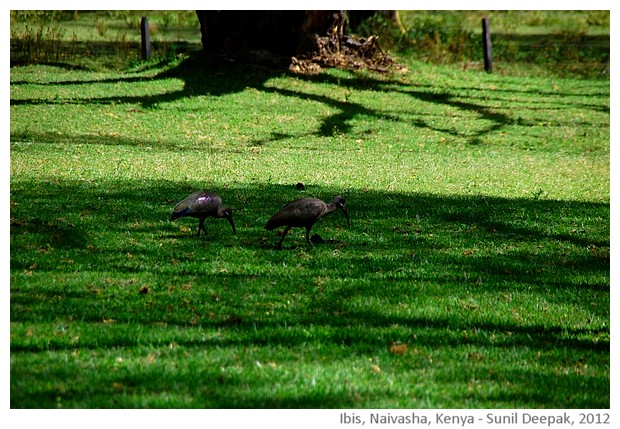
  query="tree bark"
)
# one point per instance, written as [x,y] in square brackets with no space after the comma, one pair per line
[280,32]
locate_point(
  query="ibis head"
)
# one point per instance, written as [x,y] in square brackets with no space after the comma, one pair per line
[226,212]
[338,201]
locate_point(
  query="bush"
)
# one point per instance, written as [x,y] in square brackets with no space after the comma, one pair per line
[34,45]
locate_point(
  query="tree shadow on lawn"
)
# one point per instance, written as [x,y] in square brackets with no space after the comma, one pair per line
[202,77]
[348,291]
[522,243]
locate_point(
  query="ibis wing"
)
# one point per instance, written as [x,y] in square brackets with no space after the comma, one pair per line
[207,203]
[309,209]
[197,204]
[297,213]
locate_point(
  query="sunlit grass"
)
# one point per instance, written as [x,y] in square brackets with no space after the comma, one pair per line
[475,272]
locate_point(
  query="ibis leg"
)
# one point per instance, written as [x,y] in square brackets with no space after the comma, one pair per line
[279,246]
[201,225]
[308,236]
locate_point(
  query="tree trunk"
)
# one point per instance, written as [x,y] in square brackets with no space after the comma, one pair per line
[281,32]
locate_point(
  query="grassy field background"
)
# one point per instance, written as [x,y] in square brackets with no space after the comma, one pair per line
[475,273]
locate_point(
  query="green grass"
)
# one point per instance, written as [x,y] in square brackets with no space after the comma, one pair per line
[479,240]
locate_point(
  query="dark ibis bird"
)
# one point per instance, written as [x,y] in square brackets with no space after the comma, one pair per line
[202,205]
[303,213]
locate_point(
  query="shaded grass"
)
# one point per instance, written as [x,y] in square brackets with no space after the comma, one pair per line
[473,286]
[479,240]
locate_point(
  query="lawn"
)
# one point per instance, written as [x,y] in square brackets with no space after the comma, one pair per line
[475,273]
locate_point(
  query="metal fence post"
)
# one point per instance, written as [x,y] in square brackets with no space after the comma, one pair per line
[486,44]
[146,38]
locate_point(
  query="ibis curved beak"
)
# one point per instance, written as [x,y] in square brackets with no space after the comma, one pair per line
[346,214]
[232,222]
